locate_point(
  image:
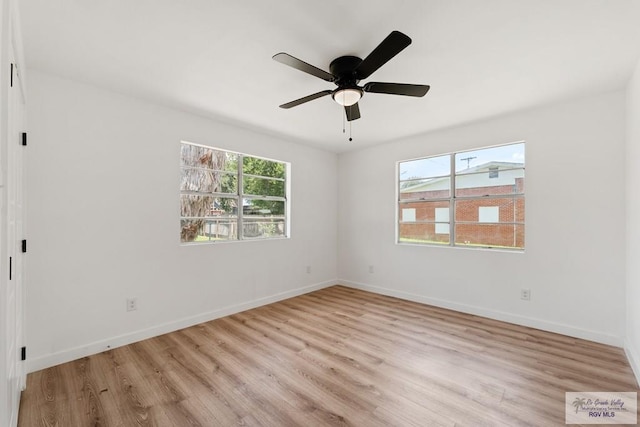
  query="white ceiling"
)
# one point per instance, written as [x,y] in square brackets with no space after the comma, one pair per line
[482,58]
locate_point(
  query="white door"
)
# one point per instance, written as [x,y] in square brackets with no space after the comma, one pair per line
[17,117]
[14,293]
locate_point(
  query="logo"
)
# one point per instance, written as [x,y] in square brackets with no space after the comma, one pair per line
[601,407]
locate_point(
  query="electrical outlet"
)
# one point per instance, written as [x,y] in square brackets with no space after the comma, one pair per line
[525,294]
[132,304]
[371,269]
[308,269]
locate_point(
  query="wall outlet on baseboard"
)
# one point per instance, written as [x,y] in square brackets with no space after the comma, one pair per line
[132,304]
[525,294]
[371,269]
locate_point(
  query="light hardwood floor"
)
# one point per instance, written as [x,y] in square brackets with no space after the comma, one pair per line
[337,356]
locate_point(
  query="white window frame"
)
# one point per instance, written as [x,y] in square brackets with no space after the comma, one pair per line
[239,196]
[452,198]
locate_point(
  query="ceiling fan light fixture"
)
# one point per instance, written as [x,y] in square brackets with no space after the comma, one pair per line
[347,96]
[347,71]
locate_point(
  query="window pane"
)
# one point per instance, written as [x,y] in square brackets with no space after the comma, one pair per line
[207,218]
[424,222]
[207,181]
[263,186]
[221,229]
[505,156]
[424,211]
[501,210]
[434,188]
[228,182]
[195,206]
[263,218]
[207,158]
[257,207]
[262,167]
[195,156]
[208,229]
[257,227]
[422,233]
[482,184]
[425,168]
[495,235]
[198,206]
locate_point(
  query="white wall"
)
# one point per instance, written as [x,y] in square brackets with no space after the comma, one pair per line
[103,179]
[102,213]
[575,245]
[632,344]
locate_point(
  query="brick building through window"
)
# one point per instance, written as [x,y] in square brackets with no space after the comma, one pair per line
[484,206]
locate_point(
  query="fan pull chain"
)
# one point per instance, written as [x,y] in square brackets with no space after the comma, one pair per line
[343,127]
[344,130]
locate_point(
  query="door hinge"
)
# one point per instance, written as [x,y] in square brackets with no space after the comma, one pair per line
[23,353]
[11,80]
[24,138]
[24,246]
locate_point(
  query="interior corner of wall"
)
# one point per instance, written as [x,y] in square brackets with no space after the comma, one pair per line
[631,350]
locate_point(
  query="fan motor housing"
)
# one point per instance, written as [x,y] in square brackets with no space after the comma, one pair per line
[343,69]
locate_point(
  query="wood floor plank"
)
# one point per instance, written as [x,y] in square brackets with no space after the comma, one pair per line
[335,357]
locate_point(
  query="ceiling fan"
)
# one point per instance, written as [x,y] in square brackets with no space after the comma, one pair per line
[347,71]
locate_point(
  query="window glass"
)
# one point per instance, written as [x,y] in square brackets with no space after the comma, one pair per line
[422,234]
[263,186]
[500,157]
[487,198]
[209,196]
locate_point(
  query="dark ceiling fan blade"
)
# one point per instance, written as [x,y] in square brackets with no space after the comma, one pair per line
[296,63]
[306,99]
[390,47]
[352,111]
[396,88]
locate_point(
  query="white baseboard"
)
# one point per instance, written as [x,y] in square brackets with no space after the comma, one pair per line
[68,355]
[493,314]
[634,359]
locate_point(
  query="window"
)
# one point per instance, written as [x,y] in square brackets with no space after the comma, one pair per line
[226,196]
[442,220]
[472,198]
[488,214]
